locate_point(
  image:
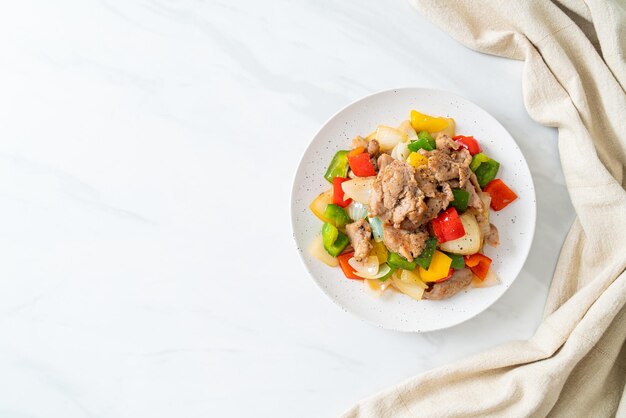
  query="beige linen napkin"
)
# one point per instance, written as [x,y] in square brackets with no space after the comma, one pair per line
[574,79]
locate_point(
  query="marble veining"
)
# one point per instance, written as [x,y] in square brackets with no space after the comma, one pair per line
[141,140]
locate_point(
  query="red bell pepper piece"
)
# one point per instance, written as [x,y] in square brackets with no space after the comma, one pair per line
[448,226]
[450,273]
[346,267]
[479,264]
[361,165]
[469,143]
[338,193]
[500,194]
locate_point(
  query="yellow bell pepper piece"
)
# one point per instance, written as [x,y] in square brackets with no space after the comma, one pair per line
[422,122]
[438,269]
[318,205]
[380,251]
[448,130]
[416,159]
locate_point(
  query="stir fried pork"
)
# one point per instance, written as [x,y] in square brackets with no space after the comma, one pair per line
[360,233]
[460,280]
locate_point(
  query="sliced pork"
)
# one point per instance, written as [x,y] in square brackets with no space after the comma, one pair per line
[460,280]
[360,233]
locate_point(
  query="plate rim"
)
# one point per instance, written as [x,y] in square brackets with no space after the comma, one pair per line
[300,250]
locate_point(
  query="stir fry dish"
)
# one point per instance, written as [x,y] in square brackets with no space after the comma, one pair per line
[408,209]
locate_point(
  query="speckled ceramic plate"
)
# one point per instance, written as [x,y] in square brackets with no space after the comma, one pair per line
[516,222]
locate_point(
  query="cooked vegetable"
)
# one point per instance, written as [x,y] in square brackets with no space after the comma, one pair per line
[316,249]
[470,242]
[356,151]
[399,262]
[401,151]
[336,215]
[406,127]
[424,135]
[338,166]
[458,262]
[485,168]
[318,205]
[426,256]
[450,273]
[438,269]
[361,165]
[501,195]
[357,211]
[490,280]
[409,289]
[338,193]
[334,240]
[376,287]
[412,277]
[479,264]
[367,267]
[447,226]
[484,224]
[424,141]
[422,122]
[380,250]
[359,189]
[329,234]
[377,228]
[382,274]
[347,269]
[461,198]
[389,137]
[469,143]
[388,275]
[416,159]
[448,130]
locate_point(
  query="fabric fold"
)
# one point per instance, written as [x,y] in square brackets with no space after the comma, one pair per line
[573,79]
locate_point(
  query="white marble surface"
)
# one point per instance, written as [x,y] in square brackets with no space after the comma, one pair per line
[140,141]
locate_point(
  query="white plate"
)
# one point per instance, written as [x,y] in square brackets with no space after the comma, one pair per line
[516,222]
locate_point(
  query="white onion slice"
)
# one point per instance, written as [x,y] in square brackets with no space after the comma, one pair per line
[409,289]
[359,189]
[388,137]
[375,287]
[383,271]
[367,267]
[412,278]
[377,228]
[357,210]
[407,128]
[401,151]
[316,249]
[470,242]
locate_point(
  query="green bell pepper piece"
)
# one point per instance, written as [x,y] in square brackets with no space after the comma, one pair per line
[426,256]
[395,260]
[425,135]
[424,141]
[329,234]
[458,262]
[338,166]
[336,215]
[388,275]
[461,197]
[477,160]
[334,240]
[485,168]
